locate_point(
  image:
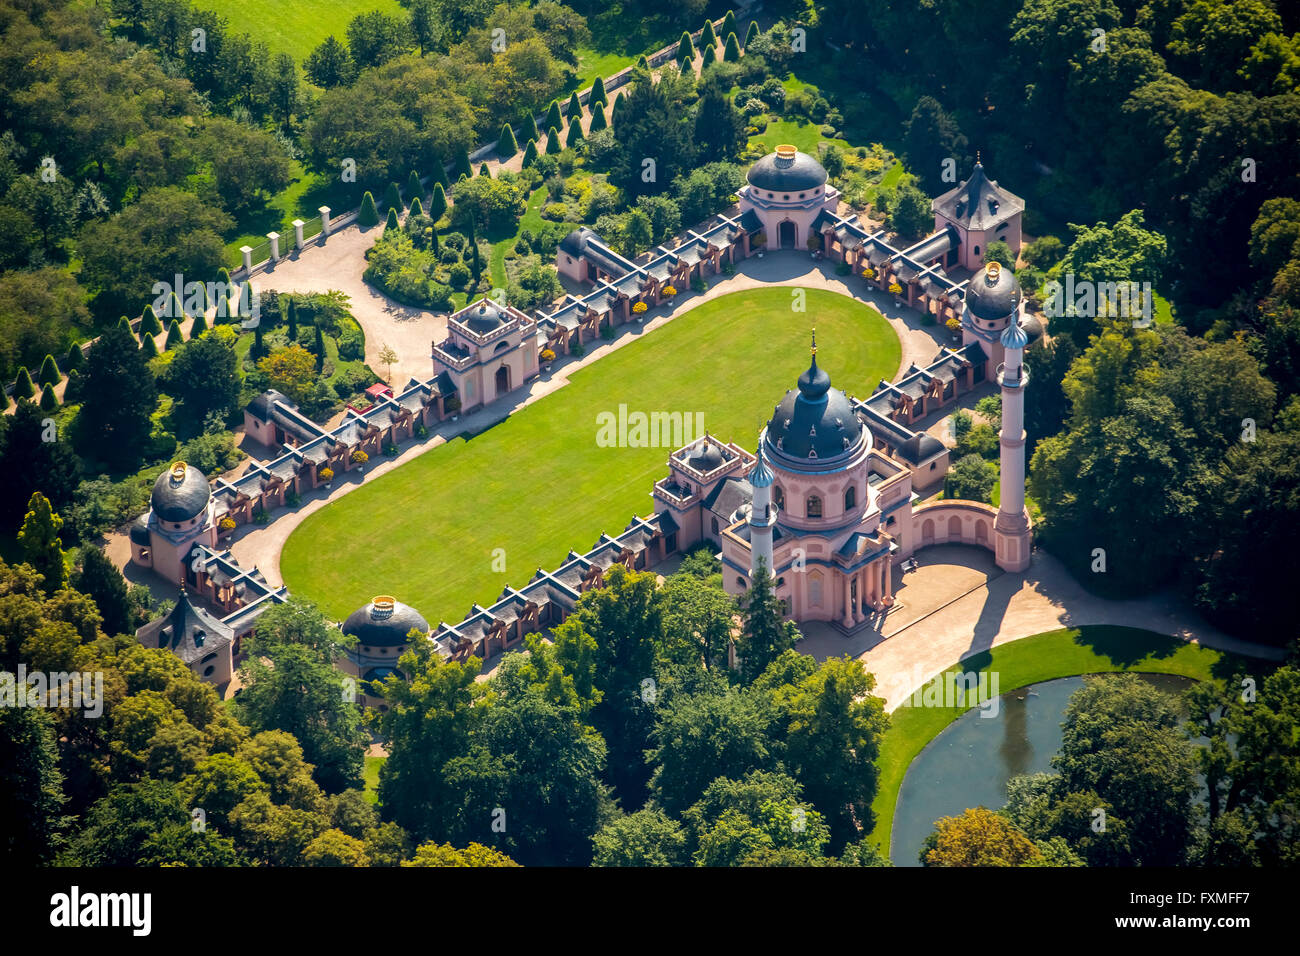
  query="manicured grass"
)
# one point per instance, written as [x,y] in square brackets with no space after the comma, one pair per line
[531,219]
[299,26]
[370,777]
[1092,649]
[301,199]
[805,137]
[538,485]
[594,63]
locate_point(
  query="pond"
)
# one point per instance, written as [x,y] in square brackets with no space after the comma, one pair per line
[970,762]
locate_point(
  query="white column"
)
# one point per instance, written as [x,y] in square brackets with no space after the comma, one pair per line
[275,245]
[324,222]
[297,234]
[247,252]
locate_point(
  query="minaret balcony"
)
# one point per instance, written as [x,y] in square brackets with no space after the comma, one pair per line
[1019,381]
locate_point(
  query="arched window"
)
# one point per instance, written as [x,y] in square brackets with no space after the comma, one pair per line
[814,507]
[778,496]
[851,498]
[741,582]
[715,525]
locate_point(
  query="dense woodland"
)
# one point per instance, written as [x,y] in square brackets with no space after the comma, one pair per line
[1168,153]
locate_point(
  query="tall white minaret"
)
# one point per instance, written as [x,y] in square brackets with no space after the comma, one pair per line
[762,514]
[1011,529]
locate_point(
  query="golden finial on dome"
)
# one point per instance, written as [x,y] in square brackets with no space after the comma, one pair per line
[814,340]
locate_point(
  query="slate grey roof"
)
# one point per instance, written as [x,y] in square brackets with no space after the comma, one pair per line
[180,493]
[728,495]
[384,625]
[978,203]
[990,297]
[187,631]
[776,173]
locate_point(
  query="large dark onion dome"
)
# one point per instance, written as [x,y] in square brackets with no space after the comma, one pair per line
[384,622]
[786,170]
[993,293]
[180,493]
[814,420]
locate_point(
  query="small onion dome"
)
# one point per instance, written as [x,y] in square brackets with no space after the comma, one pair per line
[920,447]
[761,476]
[706,456]
[993,293]
[180,493]
[485,317]
[140,531]
[384,622]
[1013,337]
[1033,328]
[786,170]
[575,243]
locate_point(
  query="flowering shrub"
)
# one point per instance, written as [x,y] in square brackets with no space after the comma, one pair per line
[639,308]
[895,288]
[548,355]
[359,457]
[669,291]
[953,325]
[226,525]
[869,272]
[326,474]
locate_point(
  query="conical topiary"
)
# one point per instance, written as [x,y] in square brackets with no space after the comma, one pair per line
[391,221]
[174,336]
[198,326]
[463,168]
[439,171]
[598,121]
[148,346]
[709,57]
[49,372]
[368,216]
[149,323]
[528,126]
[392,197]
[553,142]
[74,358]
[292,312]
[598,94]
[618,103]
[175,308]
[575,106]
[530,153]
[728,24]
[751,33]
[685,48]
[417,207]
[553,120]
[319,349]
[575,133]
[485,171]
[707,37]
[413,188]
[507,145]
[125,325]
[642,62]
[23,387]
[438,204]
[732,52]
[49,402]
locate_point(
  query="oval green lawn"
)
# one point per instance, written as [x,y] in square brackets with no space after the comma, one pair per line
[537,485]
[1091,649]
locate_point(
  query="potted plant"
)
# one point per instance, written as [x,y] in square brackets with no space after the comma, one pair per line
[668,293]
[547,357]
[639,310]
[868,272]
[359,457]
[326,476]
[226,525]
[896,291]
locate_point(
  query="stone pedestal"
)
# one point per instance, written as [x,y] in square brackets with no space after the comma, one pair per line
[247,252]
[324,222]
[297,234]
[275,245]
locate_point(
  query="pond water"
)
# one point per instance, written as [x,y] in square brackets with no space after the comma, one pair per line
[970,762]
